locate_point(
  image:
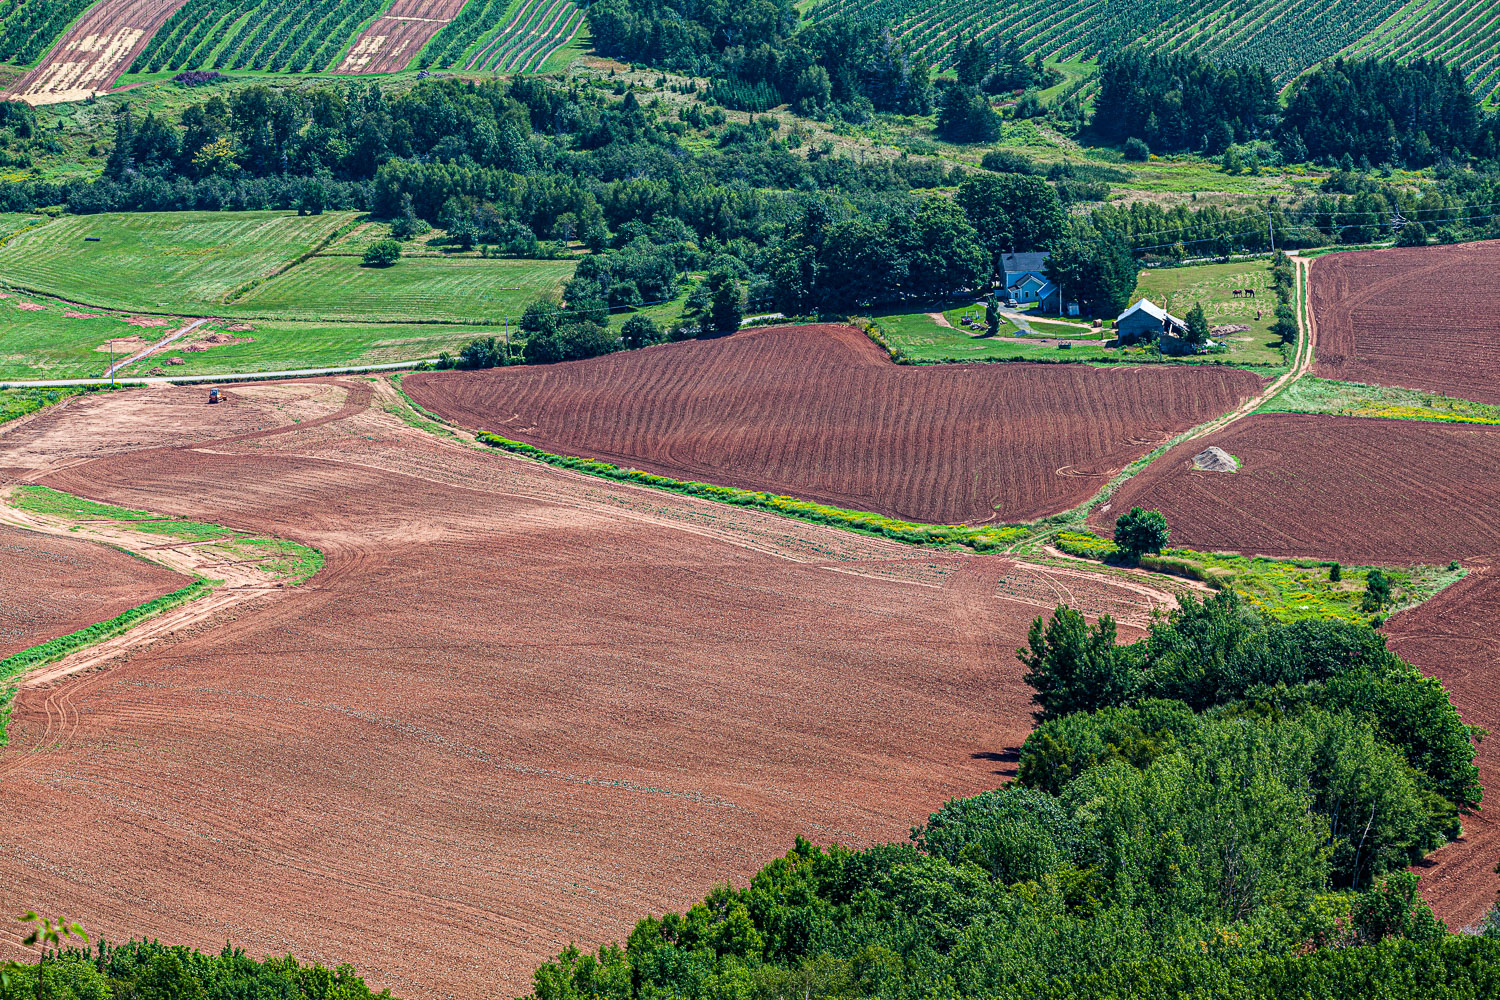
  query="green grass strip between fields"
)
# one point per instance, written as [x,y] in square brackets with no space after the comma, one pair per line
[982,539]
[1355,399]
[290,561]
[1284,589]
[65,645]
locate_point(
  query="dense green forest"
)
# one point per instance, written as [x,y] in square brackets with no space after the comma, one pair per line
[1225,808]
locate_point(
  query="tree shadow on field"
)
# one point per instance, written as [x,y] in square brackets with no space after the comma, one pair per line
[1011,755]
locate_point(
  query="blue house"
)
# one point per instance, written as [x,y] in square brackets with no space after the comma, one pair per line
[1024,278]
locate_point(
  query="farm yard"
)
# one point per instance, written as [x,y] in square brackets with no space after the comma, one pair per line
[1216,286]
[571,775]
[819,412]
[1421,318]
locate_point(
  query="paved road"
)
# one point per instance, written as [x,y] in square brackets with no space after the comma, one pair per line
[230,377]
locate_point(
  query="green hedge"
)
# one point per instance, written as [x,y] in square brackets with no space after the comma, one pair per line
[55,649]
[981,539]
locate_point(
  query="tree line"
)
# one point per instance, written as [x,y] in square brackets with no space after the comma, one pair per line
[1375,111]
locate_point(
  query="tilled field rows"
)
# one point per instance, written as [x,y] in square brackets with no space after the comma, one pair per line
[518,707]
[395,38]
[1422,318]
[95,52]
[821,413]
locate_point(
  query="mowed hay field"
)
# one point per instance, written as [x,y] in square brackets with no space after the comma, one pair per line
[821,413]
[54,585]
[589,701]
[175,262]
[1425,318]
[433,289]
[1348,488]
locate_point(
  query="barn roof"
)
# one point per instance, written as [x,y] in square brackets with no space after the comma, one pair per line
[1153,310]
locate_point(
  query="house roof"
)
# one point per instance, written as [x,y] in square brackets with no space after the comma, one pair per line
[1011,263]
[1153,310]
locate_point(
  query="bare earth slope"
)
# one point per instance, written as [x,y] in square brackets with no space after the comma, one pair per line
[821,413]
[393,39]
[53,586]
[518,708]
[96,51]
[1348,488]
[1421,318]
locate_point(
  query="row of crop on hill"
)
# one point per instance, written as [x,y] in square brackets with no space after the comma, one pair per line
[1459,32]
[1284,36]
[534,30]
[280,35]
[29,27]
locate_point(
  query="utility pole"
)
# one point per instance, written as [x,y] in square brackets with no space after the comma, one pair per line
[1271,225]
[111,361]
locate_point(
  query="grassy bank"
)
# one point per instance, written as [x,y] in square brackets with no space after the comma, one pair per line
[1285,589]
[982,539]
[1354,399]
[65,645]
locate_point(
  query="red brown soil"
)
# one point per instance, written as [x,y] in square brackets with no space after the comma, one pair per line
[1370,491]
[89,58]
[820,412]
[1347,488]
[1420,318]
[393,39]
[54,586]
[518,708]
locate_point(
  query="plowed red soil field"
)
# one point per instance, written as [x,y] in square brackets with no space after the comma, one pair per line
[1348,488]
[519,707]
[53,586]
[96,51]
[1454,637]
[1425,318]
[821,413]
[393,39]
[1370,491]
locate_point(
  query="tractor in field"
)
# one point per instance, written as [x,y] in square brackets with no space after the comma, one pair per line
[213,396]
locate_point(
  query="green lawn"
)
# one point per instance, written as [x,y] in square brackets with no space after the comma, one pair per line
[921,338]
[1177,289]
[435,289]
[177,262]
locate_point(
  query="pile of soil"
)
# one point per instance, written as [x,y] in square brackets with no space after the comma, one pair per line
[1215,459]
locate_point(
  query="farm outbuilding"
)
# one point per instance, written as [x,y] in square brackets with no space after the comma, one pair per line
[1146,321]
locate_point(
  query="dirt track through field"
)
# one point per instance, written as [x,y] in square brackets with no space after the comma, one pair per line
[821,413]
[518,707]
[1420,318]
[394,39]
[100,47]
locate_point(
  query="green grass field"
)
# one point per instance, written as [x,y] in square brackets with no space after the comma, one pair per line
[326,311]
[1354,399]
[171,262]
[922,338]
[1177,289]
[435,289]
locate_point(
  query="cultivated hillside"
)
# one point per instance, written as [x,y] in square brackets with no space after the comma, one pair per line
[1284,36]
